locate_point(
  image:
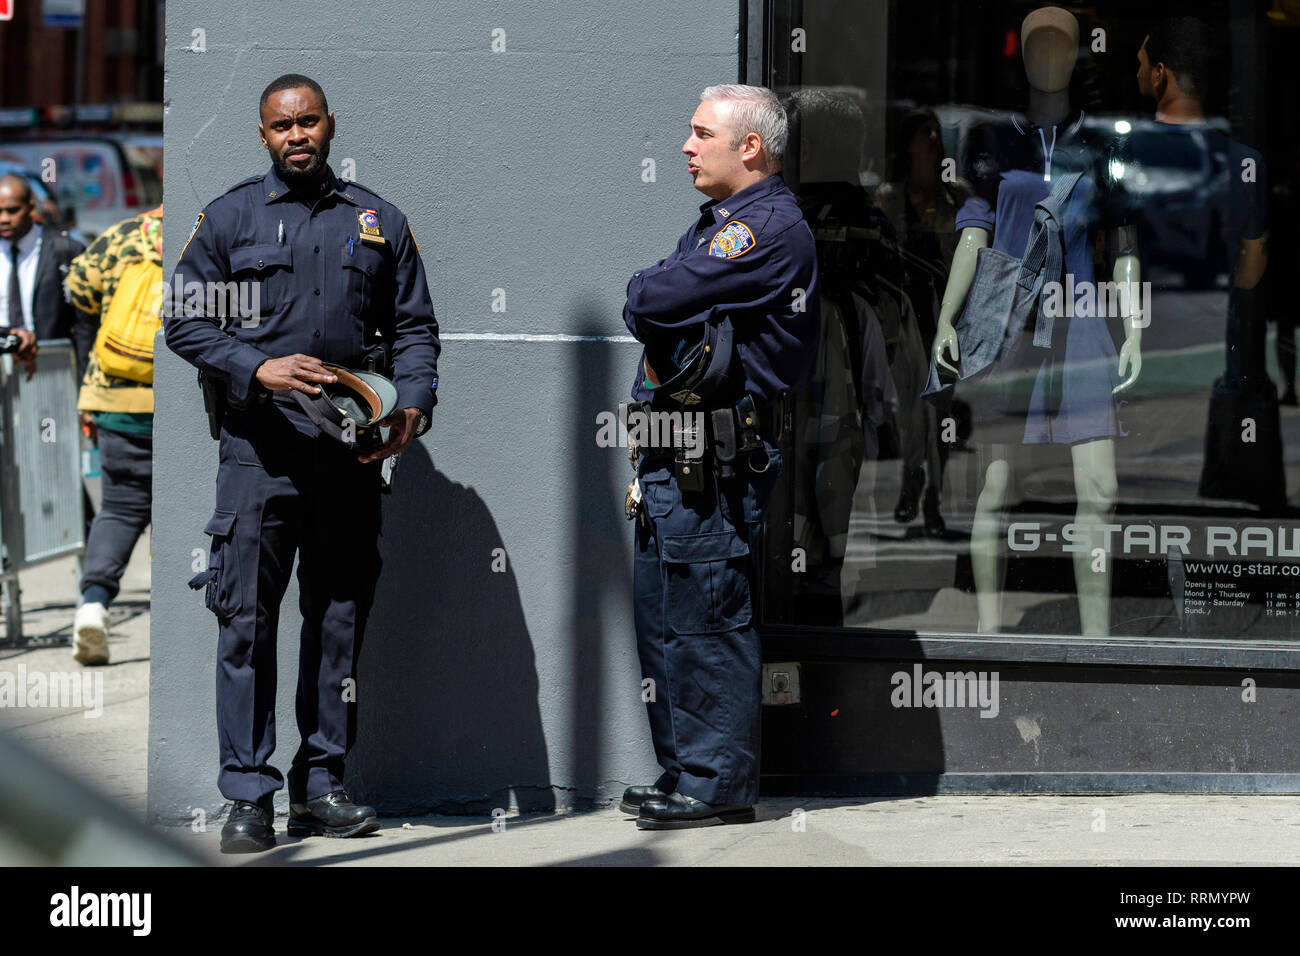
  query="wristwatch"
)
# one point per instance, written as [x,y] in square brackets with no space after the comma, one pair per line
[421,424]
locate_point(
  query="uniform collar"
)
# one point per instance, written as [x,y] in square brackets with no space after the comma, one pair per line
[724,209]
[274,188]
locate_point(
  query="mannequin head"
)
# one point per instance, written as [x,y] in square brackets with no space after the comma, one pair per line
[1049,42]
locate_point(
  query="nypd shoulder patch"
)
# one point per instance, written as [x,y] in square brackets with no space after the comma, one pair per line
[731,241]
[197,222]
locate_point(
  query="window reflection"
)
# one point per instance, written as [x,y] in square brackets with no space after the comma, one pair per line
[1116,460]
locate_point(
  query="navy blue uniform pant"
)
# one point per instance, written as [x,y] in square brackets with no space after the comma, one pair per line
[694,586]
[280,492]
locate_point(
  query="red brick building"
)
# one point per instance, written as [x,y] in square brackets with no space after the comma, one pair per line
[122,56]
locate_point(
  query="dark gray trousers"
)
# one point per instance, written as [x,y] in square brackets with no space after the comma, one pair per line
[126,462]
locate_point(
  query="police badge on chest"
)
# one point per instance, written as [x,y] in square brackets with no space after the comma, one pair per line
[368,223]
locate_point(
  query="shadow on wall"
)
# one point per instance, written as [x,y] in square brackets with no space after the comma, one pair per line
[447,684]
[601,571]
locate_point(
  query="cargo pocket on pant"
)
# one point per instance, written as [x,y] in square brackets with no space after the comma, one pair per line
[222,578]
[656,496]
[708,588]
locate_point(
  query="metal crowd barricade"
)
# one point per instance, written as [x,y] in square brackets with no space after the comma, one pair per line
[42,511]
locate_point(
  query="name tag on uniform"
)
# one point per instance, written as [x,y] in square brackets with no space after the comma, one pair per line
[368,221]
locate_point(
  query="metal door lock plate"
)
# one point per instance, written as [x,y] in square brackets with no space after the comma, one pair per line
[780,684]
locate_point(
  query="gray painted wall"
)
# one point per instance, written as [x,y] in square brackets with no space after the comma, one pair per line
[519,170]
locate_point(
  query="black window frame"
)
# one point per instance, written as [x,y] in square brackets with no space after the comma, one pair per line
[758,58]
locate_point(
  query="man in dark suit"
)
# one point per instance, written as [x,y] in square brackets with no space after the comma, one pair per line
[33,264]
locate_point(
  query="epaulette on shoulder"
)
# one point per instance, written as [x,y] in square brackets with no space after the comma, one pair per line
[349,184]
[245,182]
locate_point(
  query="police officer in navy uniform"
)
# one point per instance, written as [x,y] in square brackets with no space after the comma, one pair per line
[729,321]
[335,273]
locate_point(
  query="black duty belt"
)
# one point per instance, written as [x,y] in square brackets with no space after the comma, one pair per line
[733,436]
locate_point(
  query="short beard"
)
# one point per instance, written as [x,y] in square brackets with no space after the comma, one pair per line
[292,176]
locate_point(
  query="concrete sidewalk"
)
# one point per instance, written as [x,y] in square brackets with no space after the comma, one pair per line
[928,831]
[110,754]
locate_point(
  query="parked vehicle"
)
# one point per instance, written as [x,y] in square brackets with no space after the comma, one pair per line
[95,181]
[1177,189]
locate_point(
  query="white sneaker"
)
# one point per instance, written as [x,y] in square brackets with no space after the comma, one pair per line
[90,634]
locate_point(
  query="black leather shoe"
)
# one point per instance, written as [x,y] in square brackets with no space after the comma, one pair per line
[633,797]
[679,812]
[333,815]
[248,828]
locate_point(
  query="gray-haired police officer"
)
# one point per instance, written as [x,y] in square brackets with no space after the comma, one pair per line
[748,269]
[333,267]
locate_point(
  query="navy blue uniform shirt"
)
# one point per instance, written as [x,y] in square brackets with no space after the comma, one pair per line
[324,289]
[751,257]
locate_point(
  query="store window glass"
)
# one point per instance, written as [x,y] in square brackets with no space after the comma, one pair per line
[1055,390]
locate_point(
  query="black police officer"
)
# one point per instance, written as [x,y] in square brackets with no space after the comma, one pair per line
[748,268]
[303,268]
